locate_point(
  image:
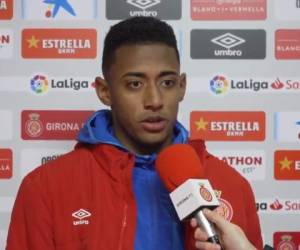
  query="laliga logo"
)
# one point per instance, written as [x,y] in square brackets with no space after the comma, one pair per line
[219,85]
[39,84]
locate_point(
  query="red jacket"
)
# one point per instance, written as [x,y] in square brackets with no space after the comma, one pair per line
[84,201]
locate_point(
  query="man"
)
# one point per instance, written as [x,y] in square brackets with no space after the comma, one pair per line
[106,193]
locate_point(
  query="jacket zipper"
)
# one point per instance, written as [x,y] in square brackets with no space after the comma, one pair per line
[123,226]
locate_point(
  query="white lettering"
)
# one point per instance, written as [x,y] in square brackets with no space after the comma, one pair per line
[81,222]
[143,13]
[235,133]
[249,9]
[63,126]
[66,51]
[3,5]
[234,126]
[4,167]
[229,2]
[228,52]
[297,165]
[288,48]
[66,44]
[204,9]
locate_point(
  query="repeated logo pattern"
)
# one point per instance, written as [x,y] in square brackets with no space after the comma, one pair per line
[228,9]
[6,9]
[228,125]
[286,240]
[228,44]
[163,9]
[59,43]
[6,163]
[58,10]
[228,40]
[52,124]
[143,4]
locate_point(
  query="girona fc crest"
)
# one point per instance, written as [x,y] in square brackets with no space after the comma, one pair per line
[225,209]
[286,243]
[33,126]
[205,194]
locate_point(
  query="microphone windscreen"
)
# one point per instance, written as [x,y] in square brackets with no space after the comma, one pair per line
[178,163]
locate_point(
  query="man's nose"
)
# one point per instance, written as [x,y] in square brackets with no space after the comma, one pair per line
[153,98]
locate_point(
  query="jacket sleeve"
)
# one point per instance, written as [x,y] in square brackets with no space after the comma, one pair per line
[30,227]
[189,241]
[253,231]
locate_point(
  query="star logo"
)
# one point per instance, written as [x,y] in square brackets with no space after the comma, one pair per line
[33,42]
[285,164]
[57,5]
[201,124]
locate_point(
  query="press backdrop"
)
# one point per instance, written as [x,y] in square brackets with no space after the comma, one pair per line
[242,62]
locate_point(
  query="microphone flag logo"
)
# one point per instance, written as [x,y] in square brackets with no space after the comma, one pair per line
[205,194]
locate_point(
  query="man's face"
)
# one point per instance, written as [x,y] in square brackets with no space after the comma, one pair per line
[144,90]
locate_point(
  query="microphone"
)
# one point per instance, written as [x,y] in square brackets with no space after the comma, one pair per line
[182,173]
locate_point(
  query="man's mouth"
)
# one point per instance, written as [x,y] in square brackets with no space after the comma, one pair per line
[154,124]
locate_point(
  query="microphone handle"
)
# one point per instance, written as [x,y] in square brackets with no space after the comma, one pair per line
[208,228]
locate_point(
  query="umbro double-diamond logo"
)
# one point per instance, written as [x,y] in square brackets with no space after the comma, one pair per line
[81,216]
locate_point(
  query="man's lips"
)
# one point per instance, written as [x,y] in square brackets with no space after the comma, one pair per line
[154,124]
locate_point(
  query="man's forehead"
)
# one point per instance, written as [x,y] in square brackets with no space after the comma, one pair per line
[141,58]
[142,47]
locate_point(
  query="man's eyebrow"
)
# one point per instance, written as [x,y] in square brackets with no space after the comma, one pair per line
[143,75]
[166,73]
[136,74]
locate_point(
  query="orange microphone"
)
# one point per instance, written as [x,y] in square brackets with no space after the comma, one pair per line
[182,173]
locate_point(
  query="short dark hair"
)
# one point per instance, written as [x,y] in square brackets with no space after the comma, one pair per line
[136,30]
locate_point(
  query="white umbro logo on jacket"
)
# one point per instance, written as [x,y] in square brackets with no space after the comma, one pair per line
[80,215]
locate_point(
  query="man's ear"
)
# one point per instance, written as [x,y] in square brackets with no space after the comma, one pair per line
[182,86]
[102,90]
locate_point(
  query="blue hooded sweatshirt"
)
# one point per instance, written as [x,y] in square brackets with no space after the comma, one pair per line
[158,227]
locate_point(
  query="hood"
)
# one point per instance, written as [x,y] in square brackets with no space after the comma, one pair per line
[98,129]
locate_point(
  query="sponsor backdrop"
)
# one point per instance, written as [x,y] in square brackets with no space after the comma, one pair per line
[242,61]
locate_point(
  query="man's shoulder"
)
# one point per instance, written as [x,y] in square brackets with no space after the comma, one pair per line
[62,166]
[216,168]
[81,162]
[221,173]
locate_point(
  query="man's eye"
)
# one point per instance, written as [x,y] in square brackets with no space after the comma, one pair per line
[135,84]
[168,83]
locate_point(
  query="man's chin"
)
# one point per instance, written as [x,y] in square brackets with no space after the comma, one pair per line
[154,144]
